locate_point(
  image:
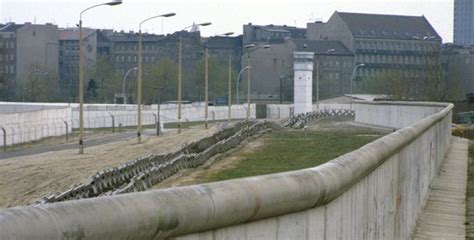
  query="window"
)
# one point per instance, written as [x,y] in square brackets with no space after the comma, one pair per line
[134,58]
[12,70]
[128,58]
[12,57]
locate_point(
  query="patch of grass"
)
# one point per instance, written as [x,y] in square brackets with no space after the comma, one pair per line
[292,150]
[471,151]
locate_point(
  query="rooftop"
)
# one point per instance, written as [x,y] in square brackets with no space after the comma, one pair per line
[322,47]
[389,26]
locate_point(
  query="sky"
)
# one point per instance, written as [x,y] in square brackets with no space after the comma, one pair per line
[225,15]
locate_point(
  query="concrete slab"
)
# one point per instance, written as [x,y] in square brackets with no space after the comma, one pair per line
[444,214]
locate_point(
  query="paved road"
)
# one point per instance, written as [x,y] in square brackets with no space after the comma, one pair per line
[96,141]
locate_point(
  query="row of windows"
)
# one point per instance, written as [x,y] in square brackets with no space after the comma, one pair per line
[369,72]
[133,59]
[397,45]
[8,45]
[9,69]
[395,59]
[134,47]
[6,57]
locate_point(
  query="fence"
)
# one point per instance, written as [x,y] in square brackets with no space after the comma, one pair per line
[24,127]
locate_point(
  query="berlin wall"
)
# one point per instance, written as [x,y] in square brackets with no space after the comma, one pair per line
[375,192]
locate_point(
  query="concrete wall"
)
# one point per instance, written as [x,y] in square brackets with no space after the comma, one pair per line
[100,115]
[21,127]
[375,192]
[394,115]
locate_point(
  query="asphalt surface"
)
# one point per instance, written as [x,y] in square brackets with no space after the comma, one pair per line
[96,141]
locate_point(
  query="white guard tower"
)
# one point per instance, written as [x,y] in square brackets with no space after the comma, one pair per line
[303,87]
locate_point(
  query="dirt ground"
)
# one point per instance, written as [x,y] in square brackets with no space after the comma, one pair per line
[225,161]
[232,158]
[24,180]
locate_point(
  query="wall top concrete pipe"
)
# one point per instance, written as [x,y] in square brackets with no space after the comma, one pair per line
[183,210]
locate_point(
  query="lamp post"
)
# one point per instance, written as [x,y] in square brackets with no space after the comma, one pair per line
[237,84]
[352,78]
[180,49]
[140,70]
[250,48]
[81,74]
[206,85]
[124,83]
[318,69]
[281,87]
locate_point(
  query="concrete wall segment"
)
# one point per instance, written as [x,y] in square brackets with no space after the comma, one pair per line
[385,177]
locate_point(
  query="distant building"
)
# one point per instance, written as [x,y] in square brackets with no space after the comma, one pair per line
[272,69]
[220,48]
[271,33]
[458,65]
[463,22]
[30,51]
[95,45]
[407,44]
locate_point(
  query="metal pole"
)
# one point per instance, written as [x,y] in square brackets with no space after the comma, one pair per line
[317,84]
[4,139]
[67,131]
[139,87]
[229,98]
[124,83]
[248,86]
[179,81]
[158,113]
[237,85]
[281,89]
[81,92]
[206,85]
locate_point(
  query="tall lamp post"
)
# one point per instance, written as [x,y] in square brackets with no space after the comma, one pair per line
[140,70]
[251,48]
[237,84]
[124,83]
[352,78]
[206,78]
[180,48]
[81,73]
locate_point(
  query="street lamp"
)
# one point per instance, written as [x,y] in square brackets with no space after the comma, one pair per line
[140,70]
[206,66]
[237,84]
[180,69]
[251,48]
[318,69]
[124,89]
[352,77]
[81,74]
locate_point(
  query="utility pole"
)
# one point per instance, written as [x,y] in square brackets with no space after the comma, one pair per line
[229,98]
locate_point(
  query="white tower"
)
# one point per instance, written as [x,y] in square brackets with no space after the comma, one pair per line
[303,87]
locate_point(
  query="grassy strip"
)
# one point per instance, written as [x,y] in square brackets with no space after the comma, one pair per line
[292,150]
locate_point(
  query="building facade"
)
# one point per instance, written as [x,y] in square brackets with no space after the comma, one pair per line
[272,69]
[384,43]
[463,22]
[30,56]
[458,66]
[270,34]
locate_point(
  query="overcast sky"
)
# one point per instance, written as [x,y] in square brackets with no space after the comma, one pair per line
[225,15]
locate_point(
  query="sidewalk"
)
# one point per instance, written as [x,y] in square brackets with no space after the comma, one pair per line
[444,215]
